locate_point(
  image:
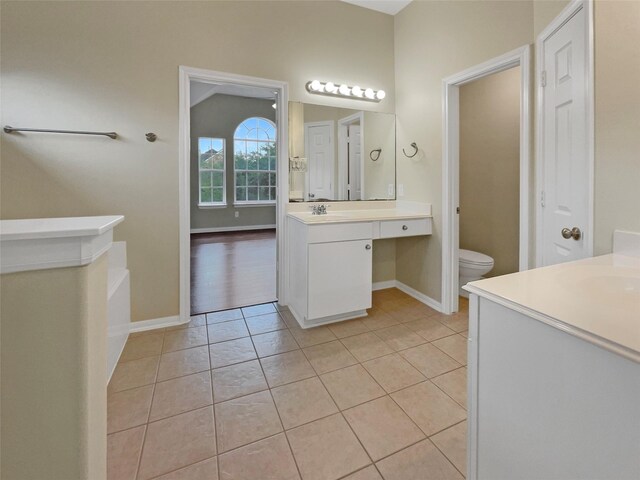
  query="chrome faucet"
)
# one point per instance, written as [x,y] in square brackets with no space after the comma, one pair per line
[319,209]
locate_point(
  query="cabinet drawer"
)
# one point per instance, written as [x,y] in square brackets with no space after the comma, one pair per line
[405,228]
[339,232]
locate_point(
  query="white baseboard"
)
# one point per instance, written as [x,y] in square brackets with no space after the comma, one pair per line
[238,228]
[152,324]
[421,297]
[383,285]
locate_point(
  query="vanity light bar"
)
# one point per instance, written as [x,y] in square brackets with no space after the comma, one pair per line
[355,92]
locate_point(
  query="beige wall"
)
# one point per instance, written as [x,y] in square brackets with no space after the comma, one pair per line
[434,40]
[54,373]
[544,11]
[490,168]
[114,66]
[617,109]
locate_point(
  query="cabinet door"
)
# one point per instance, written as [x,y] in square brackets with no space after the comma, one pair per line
[339,277]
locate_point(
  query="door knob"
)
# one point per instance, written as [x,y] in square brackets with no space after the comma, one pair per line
[574,233]
[367,247]
[404,227]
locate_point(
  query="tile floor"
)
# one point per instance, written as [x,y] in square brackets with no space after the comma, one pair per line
[246,394]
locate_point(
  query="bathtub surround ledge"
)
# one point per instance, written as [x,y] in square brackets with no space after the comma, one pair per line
[54,347]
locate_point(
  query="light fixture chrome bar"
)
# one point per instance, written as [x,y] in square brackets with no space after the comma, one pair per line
[344,91]
[10,129]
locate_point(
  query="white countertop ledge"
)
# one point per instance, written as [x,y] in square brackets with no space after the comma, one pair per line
[364,215]
[596,299]
[43,243]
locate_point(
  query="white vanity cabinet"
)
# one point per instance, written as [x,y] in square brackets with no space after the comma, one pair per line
[329,271]
[330,261]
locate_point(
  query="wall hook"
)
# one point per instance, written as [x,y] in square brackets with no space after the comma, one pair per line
[375,154]
[415,147]
[151,137]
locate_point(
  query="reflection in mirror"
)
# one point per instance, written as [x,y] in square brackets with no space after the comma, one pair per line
[340,154]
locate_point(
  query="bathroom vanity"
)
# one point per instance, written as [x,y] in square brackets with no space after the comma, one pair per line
[554,370]
[330,258]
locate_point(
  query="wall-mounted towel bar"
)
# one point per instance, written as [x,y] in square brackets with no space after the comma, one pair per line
[9,129]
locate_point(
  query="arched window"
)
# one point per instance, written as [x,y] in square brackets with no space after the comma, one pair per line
[254,159]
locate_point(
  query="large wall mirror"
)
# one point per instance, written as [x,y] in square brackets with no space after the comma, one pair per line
[341,154]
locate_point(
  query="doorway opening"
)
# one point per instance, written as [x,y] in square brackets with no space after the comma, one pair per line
[233,163]
[350,165]
[478,158]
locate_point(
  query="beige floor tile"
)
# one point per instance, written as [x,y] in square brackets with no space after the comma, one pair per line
[458,322]
[289,319]
[195,321]
[312,336]
[231,330]
[382,427]
[422,461]
[233,351]
[465,334]
[268,459]
[429,328]
[256,310]
[408,310]
[135,373]
[430,408]
[123,453]
[454,384]
[326,449]
[348,328]
[463,304]
[393,372]
[351,386]
[265,323]
[142,346]
[366,346]
[273,343]
[303,402]
[455,346]
[183,362]
[399,337]
[329,356]
[378,318]
[176,442]
[180,395]
[224,316]
[369,473]
[453,443]
[286,368]
[129,408]
[206,470]
[184,338]
[237,380]
[430,360]
[245,420]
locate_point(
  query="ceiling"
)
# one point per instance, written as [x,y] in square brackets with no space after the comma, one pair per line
[390,7]
[201,91]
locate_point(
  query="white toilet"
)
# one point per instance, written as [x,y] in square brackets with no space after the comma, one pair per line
[472,266]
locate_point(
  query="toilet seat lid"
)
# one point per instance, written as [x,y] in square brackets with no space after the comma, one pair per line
[475,258]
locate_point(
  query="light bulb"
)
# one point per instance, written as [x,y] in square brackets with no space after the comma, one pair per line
[315,86]
[330,87]
[369,93]
[380,95]
[344,90]
[357,91]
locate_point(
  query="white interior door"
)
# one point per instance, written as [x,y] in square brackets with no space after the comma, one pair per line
[355,163]
[565,189]
[319,149]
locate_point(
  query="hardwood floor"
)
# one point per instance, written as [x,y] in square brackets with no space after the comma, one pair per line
[232,269]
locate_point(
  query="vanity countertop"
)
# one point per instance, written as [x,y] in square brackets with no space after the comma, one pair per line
[365,215]
[596,299]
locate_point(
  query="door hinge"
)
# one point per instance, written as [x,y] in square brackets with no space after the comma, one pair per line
[542,198]
[543,78]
